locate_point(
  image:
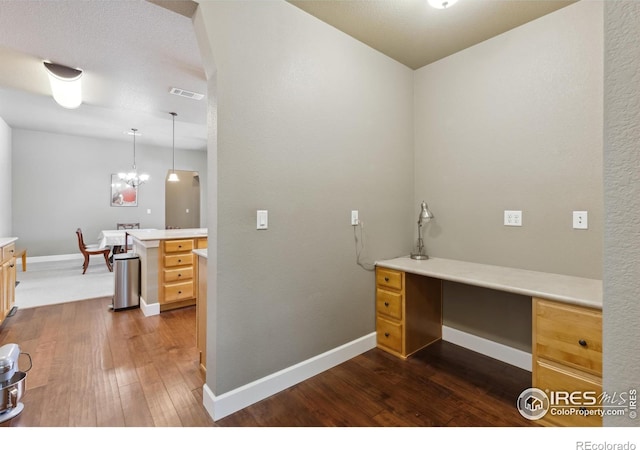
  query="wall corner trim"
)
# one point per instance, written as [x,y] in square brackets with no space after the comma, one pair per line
[225,404]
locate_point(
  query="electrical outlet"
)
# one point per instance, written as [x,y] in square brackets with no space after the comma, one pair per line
[513,218]
[354,217]
[580,220]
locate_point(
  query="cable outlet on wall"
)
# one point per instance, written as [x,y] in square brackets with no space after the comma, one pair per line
[513,218]
[354,217]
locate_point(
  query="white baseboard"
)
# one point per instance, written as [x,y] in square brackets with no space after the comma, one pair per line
[489,348]
[149,309]
[222,405]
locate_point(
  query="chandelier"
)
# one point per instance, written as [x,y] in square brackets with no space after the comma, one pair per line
[133,178]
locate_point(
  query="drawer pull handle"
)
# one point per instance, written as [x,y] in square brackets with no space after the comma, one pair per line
[179,275]
[386,335]
[386,279]
[386,304]
[582,342]
[179,260]
[179,292]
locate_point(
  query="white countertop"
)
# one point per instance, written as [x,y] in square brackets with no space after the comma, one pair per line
[7,240]
[156,235]
[201,252]
[564,288]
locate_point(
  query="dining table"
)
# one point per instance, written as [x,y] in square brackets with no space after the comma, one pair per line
[115,239]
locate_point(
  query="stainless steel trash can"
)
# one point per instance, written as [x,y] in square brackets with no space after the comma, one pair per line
[127,281]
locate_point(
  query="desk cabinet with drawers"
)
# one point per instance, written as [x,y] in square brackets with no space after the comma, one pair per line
[405,322]
[566,328]
[177,286]
[567,356]
[7,279]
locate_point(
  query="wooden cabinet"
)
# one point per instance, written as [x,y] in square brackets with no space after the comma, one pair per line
[7,279]
[201,311]
[567,357]
[408,311]
[177,286]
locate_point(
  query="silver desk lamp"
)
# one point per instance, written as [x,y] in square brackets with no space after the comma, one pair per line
[424,217]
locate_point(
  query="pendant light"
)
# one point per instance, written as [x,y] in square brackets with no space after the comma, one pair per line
[132,178]
[173,176]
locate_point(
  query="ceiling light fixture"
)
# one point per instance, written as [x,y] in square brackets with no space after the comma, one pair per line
[441,4]
[173,176]
[66,84]
[132,178]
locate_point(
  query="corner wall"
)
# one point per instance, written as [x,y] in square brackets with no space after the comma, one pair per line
[621,283]
[310,125]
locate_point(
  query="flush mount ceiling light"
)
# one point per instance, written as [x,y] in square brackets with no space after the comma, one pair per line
[173,176]
[66,84]
[132,178]
[441,4]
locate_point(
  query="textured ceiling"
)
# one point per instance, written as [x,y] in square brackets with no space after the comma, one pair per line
[132,52]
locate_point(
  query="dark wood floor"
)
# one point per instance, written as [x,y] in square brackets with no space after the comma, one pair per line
[96,368]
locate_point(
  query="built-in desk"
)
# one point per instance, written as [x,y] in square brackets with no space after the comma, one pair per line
[566,313]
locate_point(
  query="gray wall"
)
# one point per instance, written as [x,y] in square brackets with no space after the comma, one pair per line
[311,124]
[5,180]
[622,201]
[514,123]
[62,182]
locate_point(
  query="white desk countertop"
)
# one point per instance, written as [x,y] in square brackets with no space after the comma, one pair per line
[564,288]
[7,240]
[201,252]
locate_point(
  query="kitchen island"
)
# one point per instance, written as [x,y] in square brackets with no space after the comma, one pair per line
[167,270]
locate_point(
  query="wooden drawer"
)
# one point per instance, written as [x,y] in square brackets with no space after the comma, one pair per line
[551,377]
[389,303]
[182,273]
[178,245]
[389,334]
[569,334]
[178,291]
[7,252]
[389,278]
[178,259]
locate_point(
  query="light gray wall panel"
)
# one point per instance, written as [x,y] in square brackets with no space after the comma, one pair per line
[311,124]
[515,123]
[62,182]
[5,180]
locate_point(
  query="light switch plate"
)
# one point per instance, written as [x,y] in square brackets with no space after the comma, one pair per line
[580,220]
[262,220]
